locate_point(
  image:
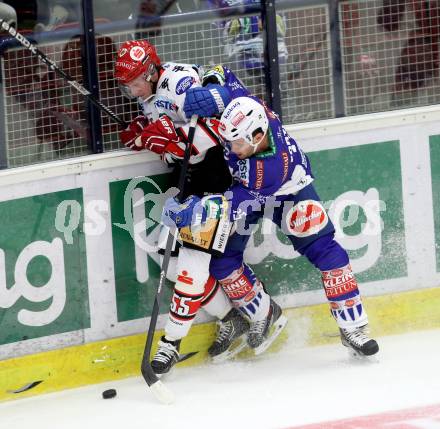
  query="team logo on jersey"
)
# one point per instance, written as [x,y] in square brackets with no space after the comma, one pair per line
[137,53]
[184,84]
[306,218]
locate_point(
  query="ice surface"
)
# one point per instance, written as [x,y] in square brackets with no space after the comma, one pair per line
[300,385]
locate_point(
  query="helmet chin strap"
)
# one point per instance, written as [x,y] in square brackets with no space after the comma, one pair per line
[153,87]
[255,145]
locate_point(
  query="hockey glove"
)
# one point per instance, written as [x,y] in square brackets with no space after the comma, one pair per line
[160,136]
[206,101]
[183,214]
[129,136]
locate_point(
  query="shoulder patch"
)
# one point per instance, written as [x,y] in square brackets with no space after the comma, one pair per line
[184,84]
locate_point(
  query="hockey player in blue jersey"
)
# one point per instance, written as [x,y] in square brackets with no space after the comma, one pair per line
[273,178]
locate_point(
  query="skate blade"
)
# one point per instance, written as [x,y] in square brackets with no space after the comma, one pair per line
[235,348]
[359,357]
[276,330]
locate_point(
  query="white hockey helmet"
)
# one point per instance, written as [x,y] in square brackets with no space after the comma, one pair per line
[242,117]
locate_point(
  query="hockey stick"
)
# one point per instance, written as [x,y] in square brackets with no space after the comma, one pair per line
[162,393]
[53,66]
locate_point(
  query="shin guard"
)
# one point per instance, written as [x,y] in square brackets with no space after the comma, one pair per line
[342,292]
[246,293]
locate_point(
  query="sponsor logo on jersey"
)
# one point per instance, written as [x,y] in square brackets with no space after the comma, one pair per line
[236,85]
[184,84]
[285,157]
[235,121]
[123,52]
[137,53]
[339,285]
[306,218]
[243,171]
[259,175]
[165,104]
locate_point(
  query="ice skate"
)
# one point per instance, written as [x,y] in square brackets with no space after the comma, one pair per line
[166,356]
[231,338]
[264,332]
[358,342]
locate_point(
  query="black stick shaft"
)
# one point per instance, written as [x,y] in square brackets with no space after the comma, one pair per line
[147,372]
[53,66]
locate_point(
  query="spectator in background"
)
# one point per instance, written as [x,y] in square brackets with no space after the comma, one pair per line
[244,47]
[419,59]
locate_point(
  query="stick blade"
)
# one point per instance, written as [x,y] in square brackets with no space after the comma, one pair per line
[162,393]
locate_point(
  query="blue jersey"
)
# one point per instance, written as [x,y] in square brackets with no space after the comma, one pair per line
[223,76]
[283,169]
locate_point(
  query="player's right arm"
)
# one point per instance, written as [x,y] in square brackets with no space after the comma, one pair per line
[219,87]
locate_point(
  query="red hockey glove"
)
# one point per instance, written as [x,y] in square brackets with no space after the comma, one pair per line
[160,136]
[132,132]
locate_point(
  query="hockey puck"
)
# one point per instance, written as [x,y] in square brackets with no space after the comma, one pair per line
[108,394]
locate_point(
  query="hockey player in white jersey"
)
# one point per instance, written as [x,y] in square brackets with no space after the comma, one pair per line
[162,128]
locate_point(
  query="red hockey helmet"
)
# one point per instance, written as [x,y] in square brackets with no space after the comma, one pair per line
[134,58]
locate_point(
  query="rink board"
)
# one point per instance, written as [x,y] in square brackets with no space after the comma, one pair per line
[118,358]
[72,278]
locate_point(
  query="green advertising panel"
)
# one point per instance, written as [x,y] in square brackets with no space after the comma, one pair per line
[135,296]
[43,266]
[434,144]
[362,172]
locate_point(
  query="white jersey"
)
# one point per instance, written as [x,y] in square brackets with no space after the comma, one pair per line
[174,80]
